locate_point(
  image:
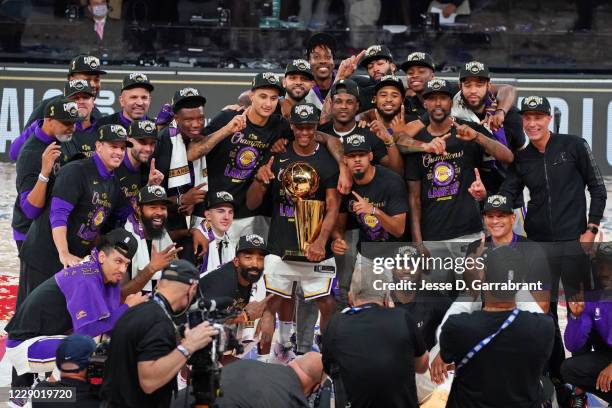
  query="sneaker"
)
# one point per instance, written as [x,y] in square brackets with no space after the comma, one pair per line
[580,401]
[283,353]
[17,402]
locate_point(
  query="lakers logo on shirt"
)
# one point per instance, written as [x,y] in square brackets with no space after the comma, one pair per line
[370,220]
[98,217]
[247,158]
[443,173]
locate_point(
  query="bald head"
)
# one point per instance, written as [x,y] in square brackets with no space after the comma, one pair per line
[309,369]
[244,100]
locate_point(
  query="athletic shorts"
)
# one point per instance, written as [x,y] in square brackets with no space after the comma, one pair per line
[35,355]
[314,278]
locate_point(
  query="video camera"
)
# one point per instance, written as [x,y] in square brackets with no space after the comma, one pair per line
[97,366]
[205,370]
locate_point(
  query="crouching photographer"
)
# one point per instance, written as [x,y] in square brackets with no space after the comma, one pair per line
[72,359]
[144,357]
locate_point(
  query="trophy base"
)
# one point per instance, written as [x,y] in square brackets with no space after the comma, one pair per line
[295,256]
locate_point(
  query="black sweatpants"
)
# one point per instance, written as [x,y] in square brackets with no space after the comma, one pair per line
[582,371]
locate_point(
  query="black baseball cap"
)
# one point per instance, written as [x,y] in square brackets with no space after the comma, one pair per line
[153,194]
[474,69]
[503,264]
[187,97]
[219,197]
[299,66]
[113,133]
[356,143]
[63,110]
[390,80]
[136,80]
[305,113]
[87,64]
[77,86]
[250,242]
[266,80]
[419,59]
[347,86]
[498,202]
[142,129]
[437,86]
[535,104]
[182,271]
[321,39]
[123,241]
[376,52]
[76,349]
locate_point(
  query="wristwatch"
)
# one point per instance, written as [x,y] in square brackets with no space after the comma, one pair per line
[183,350]
[594,229]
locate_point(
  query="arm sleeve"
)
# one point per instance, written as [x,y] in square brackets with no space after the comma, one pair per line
[60,211]
[68,184]
[99,327]
[28,169]
[594,181]
[512,185]
[28,209]
[447,352]
[17,143]
[379,149]
[416,338]
[327,345]
[578,330]
[221,119]
[157,342]
[411,168]
[397,198]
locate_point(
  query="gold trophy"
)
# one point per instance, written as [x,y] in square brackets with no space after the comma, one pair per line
[301,181]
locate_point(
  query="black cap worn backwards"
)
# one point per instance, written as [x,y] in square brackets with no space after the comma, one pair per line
[474,69]
[304,113]
[182,271]
[86,64]
[113,133]
[535,104]
[321,39]
[419,59]
[77,86]
[187,98]
[347,86]
[267,80]
[299,66]
[498,202]
[142,129]
[123,241]
[250,242]
[356,143]
[215,198]
[437,86]
[376,52]
[153,194]
[390,80]
[63,110]
[136,80]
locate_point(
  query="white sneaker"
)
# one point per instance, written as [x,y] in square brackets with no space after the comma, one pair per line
[282,353]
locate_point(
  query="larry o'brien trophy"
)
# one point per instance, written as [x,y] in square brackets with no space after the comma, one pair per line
[301,181]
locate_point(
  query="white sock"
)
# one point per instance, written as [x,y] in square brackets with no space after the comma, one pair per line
[264,358]
[284,332]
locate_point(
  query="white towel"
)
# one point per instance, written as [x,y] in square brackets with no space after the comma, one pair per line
[142,256]
[179,167]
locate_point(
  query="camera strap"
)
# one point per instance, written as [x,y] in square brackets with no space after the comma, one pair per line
[157,298]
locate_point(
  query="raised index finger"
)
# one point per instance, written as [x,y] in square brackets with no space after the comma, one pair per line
[357,196]
[477,173]
[359,56]
[152,170]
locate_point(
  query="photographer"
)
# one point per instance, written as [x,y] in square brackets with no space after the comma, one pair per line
[72,359]
[144,357]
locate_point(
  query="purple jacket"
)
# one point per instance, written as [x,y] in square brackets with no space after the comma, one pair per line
[596,316]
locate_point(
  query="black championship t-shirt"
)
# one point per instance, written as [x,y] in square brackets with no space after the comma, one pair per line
[234,161]
[82,144]
[143,333]
[427,309]
[505,373]
[387,192]
[447,209]
[42,313]
[253,384]
[379,150]
[93,198]
[223,282]
[29,165]
[283,216]
[389,380]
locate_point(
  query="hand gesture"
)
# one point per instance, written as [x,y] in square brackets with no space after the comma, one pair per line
[161,259]
[362,124]
[195,195]
[235,107]
[439,370]
[237,123]
[186,210]
[198,337]
[378,128]
[481,247]
[465,133]
[477,189]
[339,246]
[604,379]
[49,156]
[437,145]
[495,121]
[315,252]
[200,243]
[69,260]
[136,299]
[255,309]
[398,121]
[576,303]
[280,146]
[361,206]
[265,174]
[348,66]
[156,177]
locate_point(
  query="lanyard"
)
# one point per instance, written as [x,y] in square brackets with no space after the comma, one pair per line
[355,310]
[157,299]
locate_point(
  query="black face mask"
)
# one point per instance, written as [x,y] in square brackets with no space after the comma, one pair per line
[244,272]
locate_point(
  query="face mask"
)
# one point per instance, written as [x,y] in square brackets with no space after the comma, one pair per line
[100,10]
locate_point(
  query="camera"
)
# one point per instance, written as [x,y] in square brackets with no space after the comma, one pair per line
[205,369]
[97,367]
